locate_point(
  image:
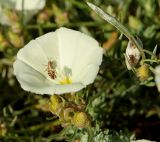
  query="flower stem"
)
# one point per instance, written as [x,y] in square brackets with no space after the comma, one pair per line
[110,19]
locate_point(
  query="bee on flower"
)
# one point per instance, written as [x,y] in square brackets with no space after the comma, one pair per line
[72,62]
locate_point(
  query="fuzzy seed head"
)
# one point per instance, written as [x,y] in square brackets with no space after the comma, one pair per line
[143,72]
[80,120]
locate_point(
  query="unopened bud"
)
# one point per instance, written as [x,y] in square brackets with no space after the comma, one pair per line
[132,55]
[61,17]
[44,16]
[16,39]
[16,28]
[3,129]
[55,104]
[11,16]
[80,120]
[143,72]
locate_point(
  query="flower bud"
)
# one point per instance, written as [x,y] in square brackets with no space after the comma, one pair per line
[3,129]
[16,28]
[44,16]
[143,72]
[12,16]
[132,55]
[80,120]
[16,39]
[55,104]
[61,17]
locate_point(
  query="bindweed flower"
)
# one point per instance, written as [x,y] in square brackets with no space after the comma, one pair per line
[58,62]
[28,7]
[132,55]
[157,77]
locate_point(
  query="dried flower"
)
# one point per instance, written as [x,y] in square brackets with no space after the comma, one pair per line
[132,55]
[58,62]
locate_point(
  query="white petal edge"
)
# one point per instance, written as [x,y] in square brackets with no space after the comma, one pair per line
[157,77]
[143,140]
[29,4]
[3,18]
[33,55]
[31,80]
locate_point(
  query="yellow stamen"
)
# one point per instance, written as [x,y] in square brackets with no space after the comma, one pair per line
[66,80]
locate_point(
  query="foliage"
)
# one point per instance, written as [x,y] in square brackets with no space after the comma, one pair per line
[118,103]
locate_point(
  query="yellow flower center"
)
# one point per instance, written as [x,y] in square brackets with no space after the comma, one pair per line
[66,80]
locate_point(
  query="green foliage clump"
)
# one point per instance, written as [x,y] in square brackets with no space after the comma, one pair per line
[118,103]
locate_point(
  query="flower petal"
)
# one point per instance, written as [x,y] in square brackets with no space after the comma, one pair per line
[87,74]
[77,50]
[29,4]
[67,41]
[32,80]
[157,77]
[49,44]
[4,20]
[33,55]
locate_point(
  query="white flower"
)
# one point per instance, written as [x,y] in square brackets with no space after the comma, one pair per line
[143,140]
[30,7]
[58,62]
[157,77]
[132,55]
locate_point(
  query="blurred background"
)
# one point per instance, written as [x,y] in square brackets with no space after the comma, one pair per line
[118,100]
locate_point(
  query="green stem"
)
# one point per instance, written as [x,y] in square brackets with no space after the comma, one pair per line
[150,53]
[110,19]
[152,61]
[90,134]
